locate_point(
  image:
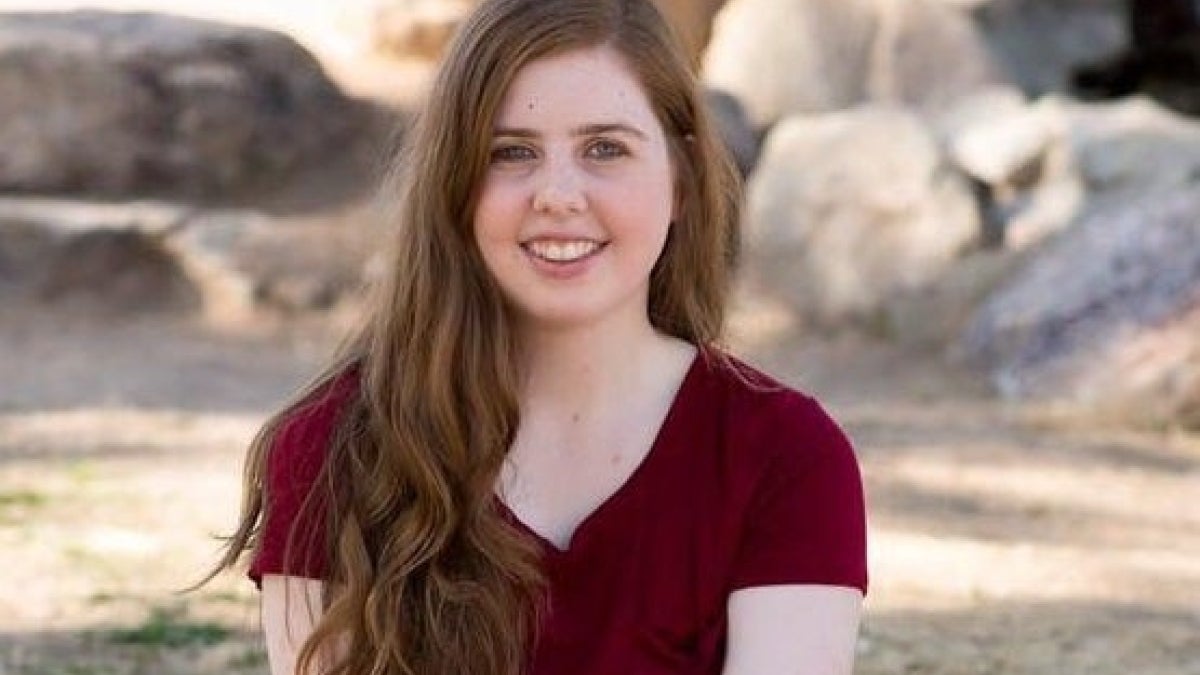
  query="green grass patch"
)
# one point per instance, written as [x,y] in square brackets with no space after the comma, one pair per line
[170,627]
[22,499]
[229,598]
[15,504]
[252,658]
[67,669]
[82,471]
[103,598]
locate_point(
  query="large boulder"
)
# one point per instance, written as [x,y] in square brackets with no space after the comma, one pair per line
[848,210]
[136,257]
[1162,58]
[1040,42]
[929,55]
[781,57]
[117,104]
[96,256]
[1022,161]
[1104,315]
[735,130]
[1133,147]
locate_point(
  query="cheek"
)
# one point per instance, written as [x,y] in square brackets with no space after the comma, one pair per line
[645,204]
[496,213]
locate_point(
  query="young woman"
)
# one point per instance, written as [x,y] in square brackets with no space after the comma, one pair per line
[533,459]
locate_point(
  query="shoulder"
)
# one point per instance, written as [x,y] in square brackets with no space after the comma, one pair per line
[794,479]
[301,433]
[770,416]
[297,445]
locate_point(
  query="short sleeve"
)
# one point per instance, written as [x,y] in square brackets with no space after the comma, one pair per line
[806,522]
[294,462]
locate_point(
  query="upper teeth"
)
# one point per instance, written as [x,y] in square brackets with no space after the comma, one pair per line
[562,251]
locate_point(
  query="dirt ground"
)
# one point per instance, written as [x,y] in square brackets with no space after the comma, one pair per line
[1004,539]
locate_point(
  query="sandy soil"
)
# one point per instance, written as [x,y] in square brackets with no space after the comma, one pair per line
[1004,539]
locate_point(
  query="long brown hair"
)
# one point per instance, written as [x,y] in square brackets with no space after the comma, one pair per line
[425,576]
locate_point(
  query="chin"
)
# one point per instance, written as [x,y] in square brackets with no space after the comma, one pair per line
[564,316]
[559,320]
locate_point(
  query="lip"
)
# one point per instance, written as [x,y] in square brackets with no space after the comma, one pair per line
[564,250]
[561,237]
[561,270]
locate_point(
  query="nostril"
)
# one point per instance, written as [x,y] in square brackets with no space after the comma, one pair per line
[558,198]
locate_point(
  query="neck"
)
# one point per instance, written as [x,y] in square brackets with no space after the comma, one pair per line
[581,368]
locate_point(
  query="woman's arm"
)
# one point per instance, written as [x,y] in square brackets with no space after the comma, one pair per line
[291,607]
[792,630]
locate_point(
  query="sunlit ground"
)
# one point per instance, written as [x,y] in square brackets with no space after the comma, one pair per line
[1004,540]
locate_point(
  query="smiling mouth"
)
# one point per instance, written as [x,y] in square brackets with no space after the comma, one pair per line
[563,251]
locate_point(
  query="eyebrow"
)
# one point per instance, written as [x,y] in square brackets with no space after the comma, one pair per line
[585,130]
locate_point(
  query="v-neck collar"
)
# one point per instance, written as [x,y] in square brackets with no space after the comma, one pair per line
[631,483]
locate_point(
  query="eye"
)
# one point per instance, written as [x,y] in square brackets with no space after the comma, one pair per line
[511,154]
[606,149]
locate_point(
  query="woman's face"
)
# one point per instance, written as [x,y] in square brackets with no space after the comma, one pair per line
[577,199]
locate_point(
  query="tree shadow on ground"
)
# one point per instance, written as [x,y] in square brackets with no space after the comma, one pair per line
[1003,637]
[995,637]
[999,479]
[170,648]
[56,361]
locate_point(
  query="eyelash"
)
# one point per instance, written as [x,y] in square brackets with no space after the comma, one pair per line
[612,149]
[601,149]
[505,153]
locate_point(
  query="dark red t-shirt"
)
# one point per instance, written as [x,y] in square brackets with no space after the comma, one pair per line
[748,483]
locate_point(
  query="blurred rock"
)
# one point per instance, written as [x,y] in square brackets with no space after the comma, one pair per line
[1041,41]
[417,28]
[780,57]
[312,263]
[212,248]
[118,104]
[847,210]
[935,314]
[23,248]
[1022,162]
[1106,315]
[996,137]
[734,128]
[121,269]
[1162,58]
[104,258]
[929,55]
[1133,147]
[692,20]
[153,257]
[298,293]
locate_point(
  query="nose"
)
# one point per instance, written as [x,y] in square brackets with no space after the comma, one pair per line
[560,190]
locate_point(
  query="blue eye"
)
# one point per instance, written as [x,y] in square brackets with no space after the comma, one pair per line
[605,149]
[512,153]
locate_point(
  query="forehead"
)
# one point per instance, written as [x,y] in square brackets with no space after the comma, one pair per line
[576,87]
